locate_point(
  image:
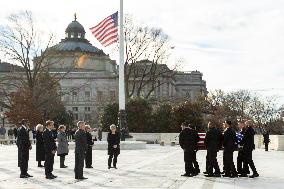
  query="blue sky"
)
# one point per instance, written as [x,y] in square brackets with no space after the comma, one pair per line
[237,44]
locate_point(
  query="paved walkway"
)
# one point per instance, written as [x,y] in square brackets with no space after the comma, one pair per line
[155,167]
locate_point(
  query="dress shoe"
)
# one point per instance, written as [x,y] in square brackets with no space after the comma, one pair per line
[254,175]
[40,166]
[54,176]
[225,175]
[29,175]
[114,167]
[89,167]
[205,172]
[243,175]
[49,177]
[64,166]
[82,178]
[109,167]
[217,175]
[209,175]
[24,176]
[186,175]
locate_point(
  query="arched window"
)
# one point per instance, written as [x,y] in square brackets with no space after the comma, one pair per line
[79,35]
[72,35]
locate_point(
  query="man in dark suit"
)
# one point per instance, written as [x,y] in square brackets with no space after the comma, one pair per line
[266,140]
[242,168]
[195,162]
[248,147]
[24,145]
[80,150]
[187,141]
[230,145]
[50,149]
[90,144]
[212,142]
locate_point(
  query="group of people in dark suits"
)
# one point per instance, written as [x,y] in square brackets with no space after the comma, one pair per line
[214,141]
[46,148]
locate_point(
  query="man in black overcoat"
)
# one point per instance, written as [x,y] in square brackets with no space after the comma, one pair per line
[196,140]
[249,146]
[212,143]
[50,149]
[242,167]
[230,144]
[80,150]
[187,141]
[24,146]
[266,140]
[90,143]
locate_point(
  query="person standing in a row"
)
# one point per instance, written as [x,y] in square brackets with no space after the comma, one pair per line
[187,141]
[40,152]
[50,149]
[80,150]
[242,167]
[24,145]
[266,140]
[113,140]
[229,143]
[62,149]
[213,143]
[248,147]
[89,151]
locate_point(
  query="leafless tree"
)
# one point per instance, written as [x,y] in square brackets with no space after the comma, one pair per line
[147,52]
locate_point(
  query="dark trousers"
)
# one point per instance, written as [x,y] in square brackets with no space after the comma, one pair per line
[266,146]
[79,164]
[19,157]
[89,157]
[212,162]
[195,163]
[112,158]
[48,164]
[62,160]
[229,166]
[188,161]
[242,167]
[248,160]
[24,161]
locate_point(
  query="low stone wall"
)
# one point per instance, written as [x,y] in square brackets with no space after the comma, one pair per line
[276,142]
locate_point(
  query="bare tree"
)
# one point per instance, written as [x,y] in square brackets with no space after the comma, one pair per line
[147,51]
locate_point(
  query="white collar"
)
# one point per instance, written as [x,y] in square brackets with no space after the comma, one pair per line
[24,127]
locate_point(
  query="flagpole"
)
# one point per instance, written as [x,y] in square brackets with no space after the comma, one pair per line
[122,113]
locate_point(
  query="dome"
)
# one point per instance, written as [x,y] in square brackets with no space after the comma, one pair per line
[75,26]
[75,40]
[75,46]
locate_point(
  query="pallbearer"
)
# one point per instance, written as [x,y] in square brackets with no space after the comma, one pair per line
[230,145]
[187,141]
[212,143]
[248,147]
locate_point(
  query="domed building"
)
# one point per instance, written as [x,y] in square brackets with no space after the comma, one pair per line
[89,77]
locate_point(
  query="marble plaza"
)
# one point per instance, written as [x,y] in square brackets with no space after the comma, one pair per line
[154,167]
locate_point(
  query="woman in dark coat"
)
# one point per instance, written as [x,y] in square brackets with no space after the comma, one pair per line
[113,140]
[62,149]
[40,152]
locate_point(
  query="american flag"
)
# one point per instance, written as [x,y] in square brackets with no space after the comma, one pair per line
[106,31]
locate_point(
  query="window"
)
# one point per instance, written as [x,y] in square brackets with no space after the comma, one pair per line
[79,35]
[87,117]
[1,109]
[66,35]
[75,109]
[74,96]
[112,95]
[88,95]
[72,35]
[99,96]
[87,109]
[76,117]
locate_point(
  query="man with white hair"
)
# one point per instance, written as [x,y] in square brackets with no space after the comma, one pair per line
[80,150]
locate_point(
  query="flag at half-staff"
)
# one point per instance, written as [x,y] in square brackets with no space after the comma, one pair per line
[106,31]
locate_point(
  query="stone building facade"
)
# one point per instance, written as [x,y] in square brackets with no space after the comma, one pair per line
[90,77]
